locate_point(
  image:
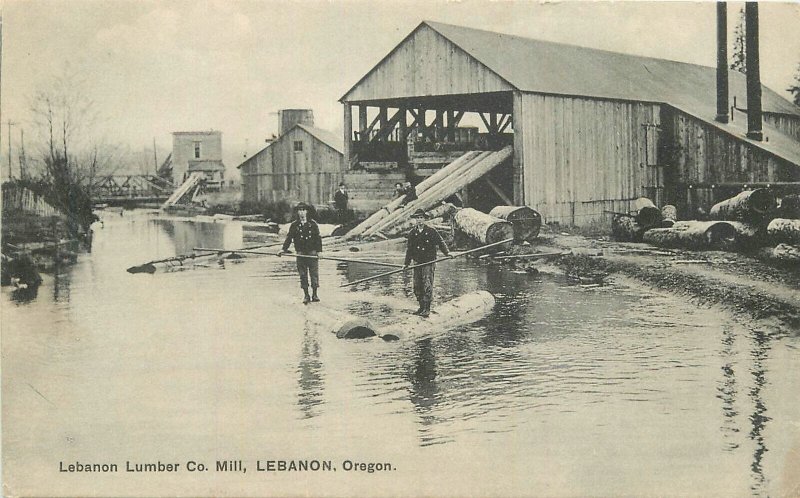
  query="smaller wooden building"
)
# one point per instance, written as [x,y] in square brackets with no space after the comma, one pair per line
[303,164]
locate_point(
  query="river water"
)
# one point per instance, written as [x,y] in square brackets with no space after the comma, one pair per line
[562,390]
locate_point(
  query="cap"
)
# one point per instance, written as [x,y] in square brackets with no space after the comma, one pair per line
[419,213]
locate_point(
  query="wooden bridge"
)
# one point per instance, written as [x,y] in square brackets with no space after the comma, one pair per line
[131,189]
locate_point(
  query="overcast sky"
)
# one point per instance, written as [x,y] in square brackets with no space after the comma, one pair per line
[155,67]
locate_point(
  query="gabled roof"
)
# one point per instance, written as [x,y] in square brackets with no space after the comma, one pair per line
[557,68]
[330,139]
[548,67]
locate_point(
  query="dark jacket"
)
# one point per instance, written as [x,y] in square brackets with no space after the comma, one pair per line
[411,194]
[340,199]
[305,236]
[422,244]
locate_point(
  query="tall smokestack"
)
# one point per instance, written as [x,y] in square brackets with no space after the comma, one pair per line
[753,72]
[722,62]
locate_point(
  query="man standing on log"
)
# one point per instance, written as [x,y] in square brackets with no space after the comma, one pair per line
[423,240]
[304,232]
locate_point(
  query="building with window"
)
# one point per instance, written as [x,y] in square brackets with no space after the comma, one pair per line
[198,152]
[303,164]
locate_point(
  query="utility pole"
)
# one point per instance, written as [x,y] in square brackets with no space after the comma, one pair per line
[155,158]
[10,124]
[23,162]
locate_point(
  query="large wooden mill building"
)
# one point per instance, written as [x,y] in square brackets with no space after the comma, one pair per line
[591,130]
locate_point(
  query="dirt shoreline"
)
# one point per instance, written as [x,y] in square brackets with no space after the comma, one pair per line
[745,285]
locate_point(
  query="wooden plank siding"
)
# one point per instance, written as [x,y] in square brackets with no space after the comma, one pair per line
[785,123]
[701,155]
[427,63]
[278,172]
[578,157]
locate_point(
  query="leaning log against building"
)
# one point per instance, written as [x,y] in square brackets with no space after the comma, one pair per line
[693,235]
[482,228]
[750,206]
[526,221]
[467,174]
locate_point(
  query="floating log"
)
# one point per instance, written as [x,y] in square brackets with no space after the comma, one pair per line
[462,310]
[647,214]
[784,230]
[693,235]
[526,221]
[421,188]
[481,227]
[625,229]
[748,206]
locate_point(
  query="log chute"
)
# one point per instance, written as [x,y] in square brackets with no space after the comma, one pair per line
[748,206]
[481,227]
[461,177]
[525,221]
[693,235]
[421,188]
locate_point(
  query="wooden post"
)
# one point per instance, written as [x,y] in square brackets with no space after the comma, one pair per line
[451,126]
[403,124]
[362,123]
[348,136]
[519,162]
[438,125]
[383,114]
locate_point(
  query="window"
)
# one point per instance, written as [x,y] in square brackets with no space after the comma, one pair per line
[298,146]
[197,150]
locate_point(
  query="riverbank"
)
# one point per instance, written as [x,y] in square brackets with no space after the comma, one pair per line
[741,283]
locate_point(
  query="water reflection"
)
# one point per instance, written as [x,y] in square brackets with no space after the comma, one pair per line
[727,388]
[310,380]
[424,390]
[759,419]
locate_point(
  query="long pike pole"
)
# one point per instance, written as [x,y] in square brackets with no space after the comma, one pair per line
[332,258]
[428,263]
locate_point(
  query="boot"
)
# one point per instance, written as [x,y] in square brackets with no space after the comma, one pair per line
[307,298]
[421,307]
[426,311]
[314,296]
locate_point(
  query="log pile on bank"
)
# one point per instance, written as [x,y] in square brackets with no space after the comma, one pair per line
[750,221]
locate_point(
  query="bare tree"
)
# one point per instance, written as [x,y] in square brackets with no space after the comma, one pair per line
[738,55]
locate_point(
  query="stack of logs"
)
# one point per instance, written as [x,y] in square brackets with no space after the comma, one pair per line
[751,220]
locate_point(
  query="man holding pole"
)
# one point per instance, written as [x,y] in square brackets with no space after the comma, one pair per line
[423,240]
[304,232]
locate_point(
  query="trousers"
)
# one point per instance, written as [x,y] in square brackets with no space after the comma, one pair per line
[423,283]
[308,267]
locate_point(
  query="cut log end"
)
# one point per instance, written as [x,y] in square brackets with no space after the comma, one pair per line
[356,329]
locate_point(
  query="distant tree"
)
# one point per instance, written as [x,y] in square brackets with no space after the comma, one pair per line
[738,56]
[795,88]
[71,152]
